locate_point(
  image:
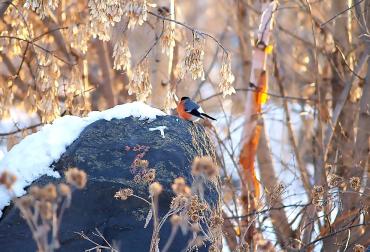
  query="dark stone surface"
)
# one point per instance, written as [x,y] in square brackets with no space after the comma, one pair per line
[101,152]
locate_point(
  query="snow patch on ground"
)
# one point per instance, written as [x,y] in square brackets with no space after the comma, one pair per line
[32,157]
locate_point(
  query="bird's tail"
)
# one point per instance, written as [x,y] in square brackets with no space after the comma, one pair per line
[210,117]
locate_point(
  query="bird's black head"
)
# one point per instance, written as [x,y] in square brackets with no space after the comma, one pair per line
[184,98]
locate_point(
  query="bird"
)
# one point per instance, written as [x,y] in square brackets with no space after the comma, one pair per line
[190,110]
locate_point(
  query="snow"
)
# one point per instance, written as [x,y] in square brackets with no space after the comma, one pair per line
[18,119]
[160,128]
[32,157]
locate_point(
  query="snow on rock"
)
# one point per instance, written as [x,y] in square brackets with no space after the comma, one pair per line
[18,119]
[32,157]
[160,128]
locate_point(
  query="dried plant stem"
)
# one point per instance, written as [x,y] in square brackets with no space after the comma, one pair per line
[97,247]
[141,198]
[155,235]
[170,238]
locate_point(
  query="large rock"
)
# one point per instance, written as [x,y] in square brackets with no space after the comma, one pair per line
[102,151]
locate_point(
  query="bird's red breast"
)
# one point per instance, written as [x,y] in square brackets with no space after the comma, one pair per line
[182,113]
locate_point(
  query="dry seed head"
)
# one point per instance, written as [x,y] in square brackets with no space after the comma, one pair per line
[64,190]
[107,12]
[216,220]
[36,192]
[47,79]
[196,169]
[49,192]
[355,183]
[226,77]
[317,197]
[142,163]
[122,56]
[137,12]
[7,179]
[317,191]
[140,82]
[203,206]
[193,60]
[76,177]
[213,248]
[168,38]
[195,208]
[334,180]
[180,181]
[6,99]
[194,202]
[175,219]
[46,210]
[358,248]
[206,166]
[137,179]
[79,36]
[123,194]
[149,176]
[25,201]
[178,202]
[179,187]
[40,7]
[186,191]
[194,217]
[155,189]
[100,30]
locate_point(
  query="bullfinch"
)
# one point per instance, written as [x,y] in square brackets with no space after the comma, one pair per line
[191,111]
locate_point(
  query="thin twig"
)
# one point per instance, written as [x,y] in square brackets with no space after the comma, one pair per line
[340,13]
[259,91]
[157,38]
[40,47]
[332,234]
[193,30]
[20,130]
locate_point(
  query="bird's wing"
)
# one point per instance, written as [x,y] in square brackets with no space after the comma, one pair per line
[189,105]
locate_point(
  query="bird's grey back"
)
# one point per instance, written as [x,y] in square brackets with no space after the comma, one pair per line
[189,105]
